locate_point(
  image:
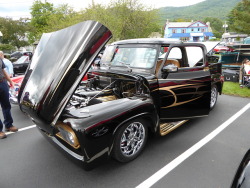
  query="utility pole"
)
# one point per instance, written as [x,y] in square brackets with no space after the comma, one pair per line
[1,36]
[225,26]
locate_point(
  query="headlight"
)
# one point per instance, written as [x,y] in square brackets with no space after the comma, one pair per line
[67,134]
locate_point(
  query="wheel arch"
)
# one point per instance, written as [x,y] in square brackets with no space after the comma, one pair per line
[146,115]
[151,123]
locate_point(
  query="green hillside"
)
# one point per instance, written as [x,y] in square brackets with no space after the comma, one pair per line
[209,8]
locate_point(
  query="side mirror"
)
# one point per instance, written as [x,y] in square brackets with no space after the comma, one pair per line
[242,176]
[170,68]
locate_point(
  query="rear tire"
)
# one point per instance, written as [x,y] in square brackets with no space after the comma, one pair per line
[214,96]
[130,140]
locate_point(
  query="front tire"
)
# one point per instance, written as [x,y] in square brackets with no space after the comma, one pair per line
[130,140]
[214,96]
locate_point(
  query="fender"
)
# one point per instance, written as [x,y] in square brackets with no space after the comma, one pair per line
[100,127]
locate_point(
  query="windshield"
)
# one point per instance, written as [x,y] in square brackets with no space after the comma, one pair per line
[247,41]
[132,57]
[23,59]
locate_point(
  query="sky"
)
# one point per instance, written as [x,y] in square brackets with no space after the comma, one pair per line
[21,8]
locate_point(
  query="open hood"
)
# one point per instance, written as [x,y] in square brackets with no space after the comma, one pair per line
[60,61]
[210,45]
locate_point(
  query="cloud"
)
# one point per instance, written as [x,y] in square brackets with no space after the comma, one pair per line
[21,8]
[15,8]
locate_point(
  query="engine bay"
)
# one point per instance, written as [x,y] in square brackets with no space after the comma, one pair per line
[98,89]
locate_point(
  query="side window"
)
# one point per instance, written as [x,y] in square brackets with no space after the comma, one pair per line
[175,53]
[175,57]
[195,56]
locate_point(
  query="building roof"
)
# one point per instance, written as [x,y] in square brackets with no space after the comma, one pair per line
[234,35]
[183,24]
[179,24]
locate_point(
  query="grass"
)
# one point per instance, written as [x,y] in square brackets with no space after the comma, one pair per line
[233,88]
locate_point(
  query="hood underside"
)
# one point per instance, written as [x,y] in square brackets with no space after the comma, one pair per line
[61,60]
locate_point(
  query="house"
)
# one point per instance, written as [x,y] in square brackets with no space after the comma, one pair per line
[188,31]
[231,38]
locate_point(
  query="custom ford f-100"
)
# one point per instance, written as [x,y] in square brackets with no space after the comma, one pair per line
[139,86]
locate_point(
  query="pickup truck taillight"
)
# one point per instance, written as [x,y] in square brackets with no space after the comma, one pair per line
[222,78]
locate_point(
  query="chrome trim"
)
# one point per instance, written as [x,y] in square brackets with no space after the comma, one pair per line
[166,128]
[214,95]
[75,155]
[172,79]
[186,117]
[99,154]
[132,139]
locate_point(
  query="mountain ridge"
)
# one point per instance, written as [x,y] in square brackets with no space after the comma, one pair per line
[208,8]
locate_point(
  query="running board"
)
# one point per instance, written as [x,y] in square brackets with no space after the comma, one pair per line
[166,128]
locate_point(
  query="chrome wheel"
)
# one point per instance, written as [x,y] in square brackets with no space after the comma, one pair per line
[214,96]
[132,139]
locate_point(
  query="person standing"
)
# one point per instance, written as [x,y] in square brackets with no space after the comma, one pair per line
[244,73]
[4,101]
[8,64]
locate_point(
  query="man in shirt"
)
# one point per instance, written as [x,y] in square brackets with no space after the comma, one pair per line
[8,64]
[4,101]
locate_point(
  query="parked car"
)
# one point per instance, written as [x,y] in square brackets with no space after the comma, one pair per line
[132,93]
[14,91]
[246,40]
[16,55]
[222,48]
[21,65]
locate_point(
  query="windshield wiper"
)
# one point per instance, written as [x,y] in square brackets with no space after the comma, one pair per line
[107,65]
[123,63]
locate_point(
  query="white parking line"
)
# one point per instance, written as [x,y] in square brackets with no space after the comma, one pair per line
[173,164]
[22,129]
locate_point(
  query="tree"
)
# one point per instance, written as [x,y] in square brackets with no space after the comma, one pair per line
[181,20]
[216,25]
[47,18]
[40,13]
[6,47]
[14,31]
[125,18]
[239,17]
[62,17]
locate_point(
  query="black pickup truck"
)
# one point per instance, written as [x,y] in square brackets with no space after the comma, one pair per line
[140,86]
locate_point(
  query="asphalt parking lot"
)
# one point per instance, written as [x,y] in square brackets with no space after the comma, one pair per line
[204,152]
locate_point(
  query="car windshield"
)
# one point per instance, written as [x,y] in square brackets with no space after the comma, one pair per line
[23,59]
[247,41]
[131,57]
